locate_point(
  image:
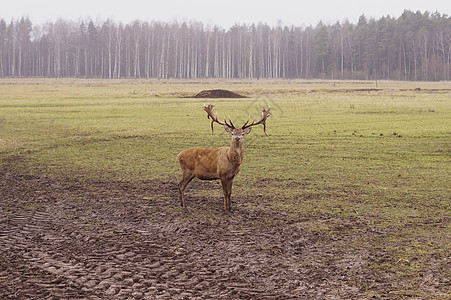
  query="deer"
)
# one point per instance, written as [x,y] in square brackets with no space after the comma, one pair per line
[221,163]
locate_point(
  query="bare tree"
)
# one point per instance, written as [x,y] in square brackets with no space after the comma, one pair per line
[415,46]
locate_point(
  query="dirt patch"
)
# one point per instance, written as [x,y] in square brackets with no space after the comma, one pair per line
[426,91]
[346,91]
[218,94]
[116,240]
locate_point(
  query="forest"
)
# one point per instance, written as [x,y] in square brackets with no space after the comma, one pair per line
[414,46]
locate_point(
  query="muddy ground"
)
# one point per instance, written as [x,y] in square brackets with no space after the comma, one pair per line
[218,94]
[111,240]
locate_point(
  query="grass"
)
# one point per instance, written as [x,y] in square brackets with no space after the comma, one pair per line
[373,163]
[392,143]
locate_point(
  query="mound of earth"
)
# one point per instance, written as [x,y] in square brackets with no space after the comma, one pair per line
[218,94]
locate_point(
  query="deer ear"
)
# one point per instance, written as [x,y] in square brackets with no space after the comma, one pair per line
[228,129]
[247,130]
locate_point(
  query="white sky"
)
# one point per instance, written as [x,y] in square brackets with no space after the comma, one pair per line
[224,13]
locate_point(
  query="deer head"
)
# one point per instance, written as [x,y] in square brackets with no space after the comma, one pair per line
[237,133]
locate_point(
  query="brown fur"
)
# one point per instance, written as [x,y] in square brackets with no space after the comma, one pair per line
[209,164]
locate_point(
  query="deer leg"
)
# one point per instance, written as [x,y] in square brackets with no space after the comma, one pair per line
[227,188]
[230,194]
[187,177]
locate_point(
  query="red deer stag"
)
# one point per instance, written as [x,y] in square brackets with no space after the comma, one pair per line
[221,163]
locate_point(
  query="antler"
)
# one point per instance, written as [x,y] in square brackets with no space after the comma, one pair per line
[210,114]
[265,114]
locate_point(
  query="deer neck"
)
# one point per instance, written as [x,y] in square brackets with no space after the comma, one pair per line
[236,153]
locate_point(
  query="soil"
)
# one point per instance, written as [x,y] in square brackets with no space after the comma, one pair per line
[114,240]
[218,94]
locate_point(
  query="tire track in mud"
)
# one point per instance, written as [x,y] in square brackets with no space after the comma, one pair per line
[23,249]
[136,265]
[90,263]
[71,241]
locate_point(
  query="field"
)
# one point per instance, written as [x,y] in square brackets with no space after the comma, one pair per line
[348,197]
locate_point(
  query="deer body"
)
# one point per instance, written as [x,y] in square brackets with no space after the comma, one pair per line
[220,163]
[210,164]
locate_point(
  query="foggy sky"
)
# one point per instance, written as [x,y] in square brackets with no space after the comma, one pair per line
[224,13]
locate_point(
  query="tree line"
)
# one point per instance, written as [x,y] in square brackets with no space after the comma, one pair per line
[414,46]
